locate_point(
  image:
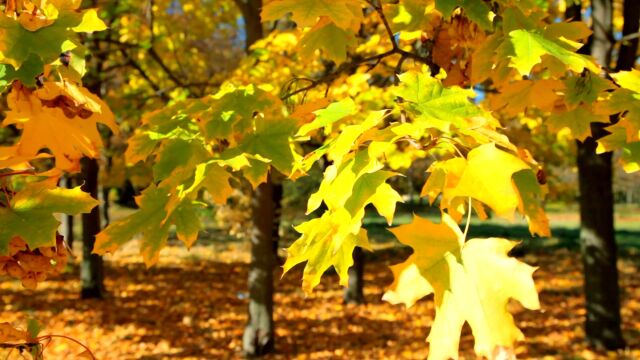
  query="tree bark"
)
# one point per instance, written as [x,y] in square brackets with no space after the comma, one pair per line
[276,198]
[597,232]
[91,268]
[354,293]
[599,252]
[258,336]
[106,204]
[66,226]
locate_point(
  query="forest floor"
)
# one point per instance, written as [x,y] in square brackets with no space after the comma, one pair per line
[192,305]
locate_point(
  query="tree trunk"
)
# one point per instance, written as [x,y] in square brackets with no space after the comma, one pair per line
[597,232]
[599,253]
[66,227]
[258,336]
[278,192]
[354,294]
[106,205]
[252,23]
[127,195]
[91,268]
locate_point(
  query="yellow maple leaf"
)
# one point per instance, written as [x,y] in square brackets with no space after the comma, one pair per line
[488,178]
[472,282]
[60,117]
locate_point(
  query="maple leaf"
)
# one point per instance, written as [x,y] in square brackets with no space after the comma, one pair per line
[159,209]
[484,58]
[435,106]
[472,282]
[305,113]
[329,38]
[617,140]
[36,204]
[336,148]
[574,30]
[626,101]
[327,116]
[488,178]
[530,46]
[215,179]
[50,39]
[410,15]
[329,240]
[443,179]
[346,14]
[518,96]
[26,74]
[585,89]
[578,121]
[10,334]
[176,159]
[326,241]
[530,204]
[60,117]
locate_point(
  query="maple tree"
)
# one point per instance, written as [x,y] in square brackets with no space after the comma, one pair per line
[363,87]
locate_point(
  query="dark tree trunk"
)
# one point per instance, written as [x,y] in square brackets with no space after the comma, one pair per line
[66,228]
[597,232]
[354,294]
[629,48]
[91,268]
[278,192]
[258,336]
[127,195]
[106,205]
[252,23]
[599,253]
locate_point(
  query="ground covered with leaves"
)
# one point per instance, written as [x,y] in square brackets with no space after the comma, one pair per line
[192,305]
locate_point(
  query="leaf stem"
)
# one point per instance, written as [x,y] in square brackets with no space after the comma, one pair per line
[466,226]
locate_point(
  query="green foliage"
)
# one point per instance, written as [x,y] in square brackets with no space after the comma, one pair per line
[36,204]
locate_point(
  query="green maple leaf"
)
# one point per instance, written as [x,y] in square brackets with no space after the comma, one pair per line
[329,240]
[177,156]
[233,112]
[326,241]
[528,48]
[47,43]
[331,39]
[329,115]
[27,74]
[31,213]
[618,140]
[214,178]
[408,15]
[626,101]
[472,282]
[159,209]
[531,199]
[435,106]
[577,120]
[337,147]
[585,89]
